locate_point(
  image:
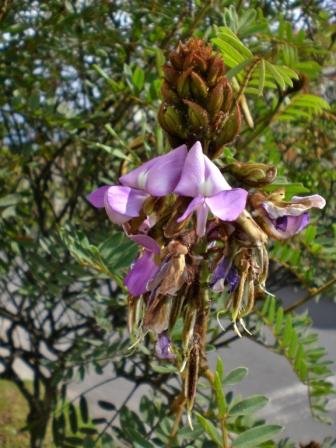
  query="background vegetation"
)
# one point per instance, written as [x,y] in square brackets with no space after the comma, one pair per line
[80,93]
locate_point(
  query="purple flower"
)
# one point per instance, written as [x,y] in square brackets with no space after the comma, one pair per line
[144,268]
[285,219]
[157,177]
[225,274]
[163,346]
[204,182]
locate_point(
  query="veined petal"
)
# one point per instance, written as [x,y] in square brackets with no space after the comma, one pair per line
[147,242]
[193,173]
[227,205]
[202,216]
[96,198]
[315,200]
[191,208]
[158,176]
[123,203]
[141,272]
[295,207]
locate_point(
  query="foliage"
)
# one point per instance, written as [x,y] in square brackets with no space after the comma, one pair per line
[81,89]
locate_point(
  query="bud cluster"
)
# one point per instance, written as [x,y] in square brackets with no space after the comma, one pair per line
[198,102]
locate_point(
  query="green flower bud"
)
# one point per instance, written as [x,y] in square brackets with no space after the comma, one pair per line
[253,174]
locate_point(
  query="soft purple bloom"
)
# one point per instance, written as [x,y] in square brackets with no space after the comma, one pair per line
[225,274]
[144,268]
[163,346]
[157,177]
[204,182]
[286,219]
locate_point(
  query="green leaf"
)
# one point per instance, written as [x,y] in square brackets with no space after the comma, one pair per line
[106,405]
[220,397]
[276,75]
[210,429]
[220,368]
[238,68]
[231,38]
[73,418]
[83,406]
[235,376]
[254,436]
[138,78]
[249,405]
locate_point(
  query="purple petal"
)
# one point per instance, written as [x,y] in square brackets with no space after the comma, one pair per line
[193,173]
[228,205]
[225,274]
[291,225]
[163,346]
[142,271]
[123,203]
[147,242]
[214,179]
[191,208]
[202,216]
[160,175]
[96,198]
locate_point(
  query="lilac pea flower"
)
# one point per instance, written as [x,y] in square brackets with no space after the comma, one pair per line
[144,268]
[157,177]
[225,275]
[204,182]
[286,219]
[163,346]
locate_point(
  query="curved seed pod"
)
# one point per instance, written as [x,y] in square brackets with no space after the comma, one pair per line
[199,118]
[171,121]
[215,98]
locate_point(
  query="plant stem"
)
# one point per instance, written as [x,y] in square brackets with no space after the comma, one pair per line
[310,296]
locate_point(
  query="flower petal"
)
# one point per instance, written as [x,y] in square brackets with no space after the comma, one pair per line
[96,198]
[141,272]
[291,225]
[315,200]
[191,208]
[295,207]
[193,173]
[228,205]
[147,242]
[163,346]
[214,179]
[123,203]
[160,175]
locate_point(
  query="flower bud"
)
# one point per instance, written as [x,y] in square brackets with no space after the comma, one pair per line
[198,116]
[168,94]
[183,84]
[198,86]
[216,69]
[171,121]
[253,174]
[215,98]
[170,74]
[228,132]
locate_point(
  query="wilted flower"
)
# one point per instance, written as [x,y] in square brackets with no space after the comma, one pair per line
[163,346]
[224,275]
[204,182]
[281,219]
[144,268]
[157,177]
